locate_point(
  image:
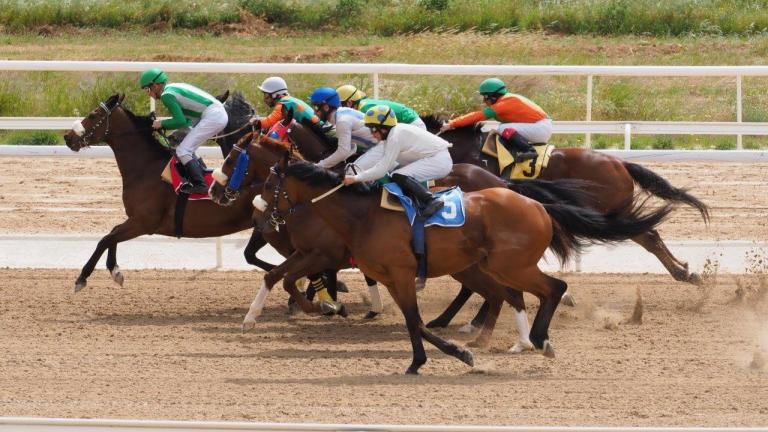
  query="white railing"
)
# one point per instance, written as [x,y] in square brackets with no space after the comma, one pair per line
[588,127]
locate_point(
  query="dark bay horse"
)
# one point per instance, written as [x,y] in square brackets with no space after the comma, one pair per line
[508,252]
[149,201]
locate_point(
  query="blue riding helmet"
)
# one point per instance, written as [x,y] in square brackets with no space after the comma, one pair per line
[325,95]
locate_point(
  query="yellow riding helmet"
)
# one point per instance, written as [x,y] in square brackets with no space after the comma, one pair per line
[349,92]
[380,115]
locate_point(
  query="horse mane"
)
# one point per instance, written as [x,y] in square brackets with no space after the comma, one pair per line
[238,109]
[280,146]
[318,176]
[143,125]
[433,122]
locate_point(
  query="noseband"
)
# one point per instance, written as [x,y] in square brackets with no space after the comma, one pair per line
[276,217]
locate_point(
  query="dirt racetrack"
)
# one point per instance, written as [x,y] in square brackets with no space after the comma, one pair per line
[168,346]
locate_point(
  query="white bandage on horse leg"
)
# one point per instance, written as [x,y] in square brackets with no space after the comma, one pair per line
[523,330]
[373,292]
[258,304]
[220,177]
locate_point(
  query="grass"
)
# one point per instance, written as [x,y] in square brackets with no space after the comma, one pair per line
[615,98]
[390,17]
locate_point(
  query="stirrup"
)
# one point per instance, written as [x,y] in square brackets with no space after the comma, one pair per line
[520,157]
[433,207]
[190,188]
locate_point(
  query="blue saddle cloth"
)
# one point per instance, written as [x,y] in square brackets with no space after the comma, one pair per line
[451,215]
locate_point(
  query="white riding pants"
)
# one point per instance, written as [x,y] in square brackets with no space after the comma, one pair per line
[213,121]
[433,167]
[535,133]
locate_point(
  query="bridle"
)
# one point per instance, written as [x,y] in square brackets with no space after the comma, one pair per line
[276,217]
[86,134]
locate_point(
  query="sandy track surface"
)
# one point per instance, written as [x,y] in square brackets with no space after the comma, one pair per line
[79,195]
[169,346]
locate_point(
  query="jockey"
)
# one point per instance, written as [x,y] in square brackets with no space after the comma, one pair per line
[351,131]
[353,97]
[189,107]
[276,96]
[414,154]
[522,121]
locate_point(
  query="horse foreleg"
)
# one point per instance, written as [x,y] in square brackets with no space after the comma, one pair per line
[120,233]
[653,243]
[515,298]
[373,292]
[112,266]
[549,291]
[255,243]
[492,308]
[450,312]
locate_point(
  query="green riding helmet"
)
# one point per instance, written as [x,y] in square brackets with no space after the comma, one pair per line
[493,86]
[152,76]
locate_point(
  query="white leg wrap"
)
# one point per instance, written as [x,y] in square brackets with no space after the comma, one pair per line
[257,305]
[523,330]
[373,292]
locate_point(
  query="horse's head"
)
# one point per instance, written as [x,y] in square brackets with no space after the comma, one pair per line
[433,123]
[239,111]
[307,142]
[95,127]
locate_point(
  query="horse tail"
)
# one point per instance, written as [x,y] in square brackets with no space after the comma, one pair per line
[574,227]
[563,191]
[660,187]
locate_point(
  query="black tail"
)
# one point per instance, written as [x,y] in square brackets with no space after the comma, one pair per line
[660,187]
[564,191]
[577,227]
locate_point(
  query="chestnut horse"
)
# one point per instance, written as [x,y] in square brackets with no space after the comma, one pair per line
[505,235]
[149,201]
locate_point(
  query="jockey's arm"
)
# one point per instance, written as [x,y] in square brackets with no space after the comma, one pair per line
[275,116]
[345,149]
[468,119]
[177,120]
[389,152]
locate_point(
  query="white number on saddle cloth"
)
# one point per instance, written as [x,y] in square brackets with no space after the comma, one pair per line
[449,210]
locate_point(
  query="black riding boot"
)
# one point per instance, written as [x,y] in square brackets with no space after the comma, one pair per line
[196,184]
[428,204]
[520,147]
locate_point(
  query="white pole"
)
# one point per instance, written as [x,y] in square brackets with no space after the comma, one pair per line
[219,258]
[588,137]
[376,85]
[152,103]
[739,143]
[627,136]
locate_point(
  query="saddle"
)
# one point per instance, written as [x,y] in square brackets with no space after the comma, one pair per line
[526,170]
[452,214]
[174,174]
[392,202]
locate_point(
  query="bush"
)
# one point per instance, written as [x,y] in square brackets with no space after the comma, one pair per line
[33,138]
[663,143]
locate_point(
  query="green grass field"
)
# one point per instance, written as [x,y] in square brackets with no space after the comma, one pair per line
[615,98]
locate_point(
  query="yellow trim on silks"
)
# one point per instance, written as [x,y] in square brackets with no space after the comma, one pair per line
[493,147]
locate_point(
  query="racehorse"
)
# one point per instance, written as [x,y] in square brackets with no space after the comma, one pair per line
[611,179]
[507,251]
[149,201]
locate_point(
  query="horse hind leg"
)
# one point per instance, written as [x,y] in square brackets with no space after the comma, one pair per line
[120,233]
[653,243]
[492,308]
[515,298]
[114,269]
[549,290]
[450,312]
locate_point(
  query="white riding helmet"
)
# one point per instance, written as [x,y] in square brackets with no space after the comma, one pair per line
[274,86]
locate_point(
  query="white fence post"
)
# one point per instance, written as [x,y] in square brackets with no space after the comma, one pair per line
[219,258]
[588,136]
[627,136]
[375,85]
[739,143]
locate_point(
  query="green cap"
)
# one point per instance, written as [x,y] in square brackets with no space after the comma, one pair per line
[152,76]
[493,86]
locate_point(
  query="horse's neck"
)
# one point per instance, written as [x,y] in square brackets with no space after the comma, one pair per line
[136,157]
[344,213]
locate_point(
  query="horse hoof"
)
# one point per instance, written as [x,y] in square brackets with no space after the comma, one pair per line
[341,287]
[117,276]
[437,323]
[695,279]
[568,300]
[467,328]
[412,371]
[467,357]
[333,308]
[80,285]
[293,308]
[521,346]
[371,315]
[547,350]
[248,325]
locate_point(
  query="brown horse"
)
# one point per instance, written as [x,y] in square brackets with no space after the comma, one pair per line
[149,201]
[508,252]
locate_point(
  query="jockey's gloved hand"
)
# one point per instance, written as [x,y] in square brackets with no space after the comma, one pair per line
[255,122]
[157,125]
[327,127]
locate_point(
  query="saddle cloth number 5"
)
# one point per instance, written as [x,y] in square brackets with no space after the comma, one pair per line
[449,211]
